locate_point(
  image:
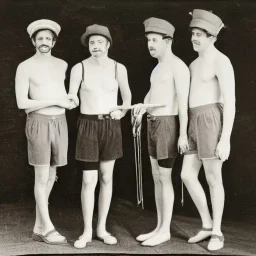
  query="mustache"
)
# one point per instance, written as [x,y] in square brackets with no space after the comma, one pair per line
[195,42]
[43,45]
[152,49]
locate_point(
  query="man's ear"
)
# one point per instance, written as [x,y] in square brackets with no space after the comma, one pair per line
[108,44]
[53,43]
[168,40]
[33,41]
[213,39]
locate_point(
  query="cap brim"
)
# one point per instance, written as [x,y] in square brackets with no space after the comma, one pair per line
[199,23]
[84,38]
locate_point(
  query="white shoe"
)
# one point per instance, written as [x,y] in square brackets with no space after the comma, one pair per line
[216,243]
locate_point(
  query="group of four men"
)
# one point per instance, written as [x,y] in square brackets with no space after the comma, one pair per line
[207,88]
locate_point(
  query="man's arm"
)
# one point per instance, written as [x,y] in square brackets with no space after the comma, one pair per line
[122,79]
[22,90]
[226,79]
[147,98]
[62,102]
[182,82]
[75,81]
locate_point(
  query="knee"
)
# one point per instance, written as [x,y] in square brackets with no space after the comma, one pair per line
[41,180]
[213,180]
[165,176]
[106,179]
[90,179]
[52,174]
[186,176]
[156,177]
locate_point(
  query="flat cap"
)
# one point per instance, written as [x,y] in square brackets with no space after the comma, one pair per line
[43,24]
[156,25]
[96,30]
[207,21]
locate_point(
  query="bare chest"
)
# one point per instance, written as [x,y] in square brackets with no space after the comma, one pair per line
[46,74]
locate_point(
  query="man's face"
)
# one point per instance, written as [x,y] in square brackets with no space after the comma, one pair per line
[156,44]
[44,41]
[199,39]
[98,46]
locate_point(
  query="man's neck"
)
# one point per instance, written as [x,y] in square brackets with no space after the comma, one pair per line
[168,56]
[43,56]
[209,51]
[102,61]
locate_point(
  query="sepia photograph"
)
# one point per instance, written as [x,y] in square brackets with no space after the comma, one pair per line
[128,127]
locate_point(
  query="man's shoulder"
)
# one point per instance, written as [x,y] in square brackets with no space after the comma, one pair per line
[179,64]
[26,64]
[60,61]
[193,63]
[221,59]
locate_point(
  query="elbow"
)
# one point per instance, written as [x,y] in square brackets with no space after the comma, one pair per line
[21,105]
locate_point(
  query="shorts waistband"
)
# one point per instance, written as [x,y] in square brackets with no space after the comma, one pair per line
[152,118]
[96,117]
[204,107]
[46,117]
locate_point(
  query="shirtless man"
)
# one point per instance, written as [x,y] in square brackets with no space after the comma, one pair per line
[99,140]
[167,126]
[40,91]
[211,117]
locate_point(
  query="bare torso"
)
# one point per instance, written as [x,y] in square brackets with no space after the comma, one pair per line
[98,91]
[162,90]
[204,87]
[46,82]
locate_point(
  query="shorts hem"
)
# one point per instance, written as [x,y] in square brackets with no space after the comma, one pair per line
[209,158]
[191,153]
[55,165]
[98,160]
[39,164]
[165,157]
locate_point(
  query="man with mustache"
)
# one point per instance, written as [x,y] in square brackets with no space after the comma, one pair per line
[211,117]
[41,92]
[167,126]
[99,141]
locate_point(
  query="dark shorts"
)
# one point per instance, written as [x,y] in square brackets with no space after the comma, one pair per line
[163,135]
[205,127]
[99,138]
[47,139]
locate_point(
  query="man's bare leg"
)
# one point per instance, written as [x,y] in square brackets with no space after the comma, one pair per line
[105,195]
[41,179]
[190,170]
[167,199]
[213,174]
[90,179]
[49,186]
[158,199]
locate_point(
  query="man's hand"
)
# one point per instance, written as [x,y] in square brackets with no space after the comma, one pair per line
[116,114]
[223,149]
[64,102]
[139,109]
[183,144]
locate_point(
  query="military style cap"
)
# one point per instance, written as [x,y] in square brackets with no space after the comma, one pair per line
[207,21]
[156,25]
[95,30]
[43,24]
